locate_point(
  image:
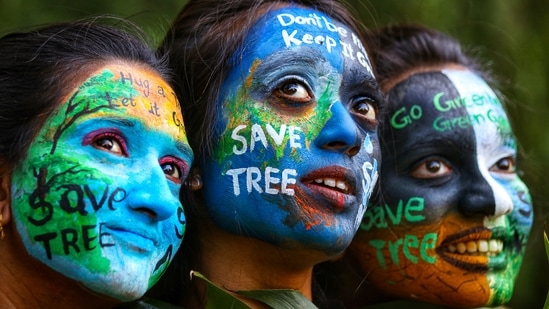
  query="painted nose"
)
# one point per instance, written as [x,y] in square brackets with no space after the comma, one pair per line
[485,197]
[340,133]
[477,201]
[153,196]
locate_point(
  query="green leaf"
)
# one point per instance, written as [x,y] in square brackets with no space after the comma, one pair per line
[280,299]
[219,297]
[546,240]
[546,243]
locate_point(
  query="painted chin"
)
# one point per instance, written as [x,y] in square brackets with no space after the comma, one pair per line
[333,187]
[471,250]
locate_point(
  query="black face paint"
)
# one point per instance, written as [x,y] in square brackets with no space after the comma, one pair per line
[428,124]
[454,216]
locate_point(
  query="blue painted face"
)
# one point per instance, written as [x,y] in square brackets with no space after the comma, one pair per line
[97,196]
[295,145]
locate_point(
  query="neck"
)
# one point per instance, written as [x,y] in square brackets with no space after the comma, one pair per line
[351,285]
[27,283]
[240,263]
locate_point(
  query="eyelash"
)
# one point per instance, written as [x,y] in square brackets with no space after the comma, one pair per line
[117,138]
[421,170]
[372,108]
[94,138]
[180,165]
[509,170]
[279,97]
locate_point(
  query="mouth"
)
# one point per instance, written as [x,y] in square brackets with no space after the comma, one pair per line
[471,249]
[333,183]
[138,241]
[491,247]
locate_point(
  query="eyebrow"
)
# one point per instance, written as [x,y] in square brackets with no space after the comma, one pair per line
[183,147]
[121,122]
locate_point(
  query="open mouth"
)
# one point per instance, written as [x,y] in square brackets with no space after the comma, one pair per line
[333,183]
[471,250]
[491,247]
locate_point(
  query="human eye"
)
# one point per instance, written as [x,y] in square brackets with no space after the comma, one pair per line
[292,91]
[175,169]
[110,142]
[504,166]
[431,168]
[364,107]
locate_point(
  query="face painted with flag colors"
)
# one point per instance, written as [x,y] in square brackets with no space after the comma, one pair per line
[295,145]
[97,196]
[456,216]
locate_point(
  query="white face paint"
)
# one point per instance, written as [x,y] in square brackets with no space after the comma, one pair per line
[494,138]
[454,217]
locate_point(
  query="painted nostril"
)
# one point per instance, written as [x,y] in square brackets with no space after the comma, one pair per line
[151,214]
[353,151]
[336,145]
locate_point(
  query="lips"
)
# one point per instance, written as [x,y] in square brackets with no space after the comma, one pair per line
[471,249]
[333,183]
[137,239]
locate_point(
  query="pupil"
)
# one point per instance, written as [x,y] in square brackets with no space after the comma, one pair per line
[504,164]
[433,166]
[363,108]
[289,88]
[168,169]
[105,143]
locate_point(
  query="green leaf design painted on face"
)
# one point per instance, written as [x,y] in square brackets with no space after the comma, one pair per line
[241,109]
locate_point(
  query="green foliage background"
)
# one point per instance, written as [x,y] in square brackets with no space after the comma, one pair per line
[512,35]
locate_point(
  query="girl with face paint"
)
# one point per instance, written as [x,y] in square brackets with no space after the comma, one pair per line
[452,218]
[285,110]
[93,153]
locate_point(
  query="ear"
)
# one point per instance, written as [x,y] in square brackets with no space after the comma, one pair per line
[5,198]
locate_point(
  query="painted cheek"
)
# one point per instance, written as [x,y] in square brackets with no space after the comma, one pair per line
[394,250]
[503,201]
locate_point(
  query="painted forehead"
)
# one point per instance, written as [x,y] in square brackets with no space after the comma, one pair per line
[131,92]
[297,27]
[449,99]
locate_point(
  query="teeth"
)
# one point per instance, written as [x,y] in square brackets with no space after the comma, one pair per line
[330,182]
[341,185]
[482,246]
[478,247]
[333,183]
[471,247]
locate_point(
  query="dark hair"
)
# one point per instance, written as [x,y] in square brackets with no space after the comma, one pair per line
[37,68]
[201,42]
[398,49]
[199,47]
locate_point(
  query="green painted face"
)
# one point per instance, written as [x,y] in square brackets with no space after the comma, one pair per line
[97,196]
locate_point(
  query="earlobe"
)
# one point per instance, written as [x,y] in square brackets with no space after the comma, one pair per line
[5,200]
[195,181]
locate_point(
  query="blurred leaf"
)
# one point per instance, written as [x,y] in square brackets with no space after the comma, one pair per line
[547,252]
[546,243]
[219,297]
[283,299]
[280,299]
